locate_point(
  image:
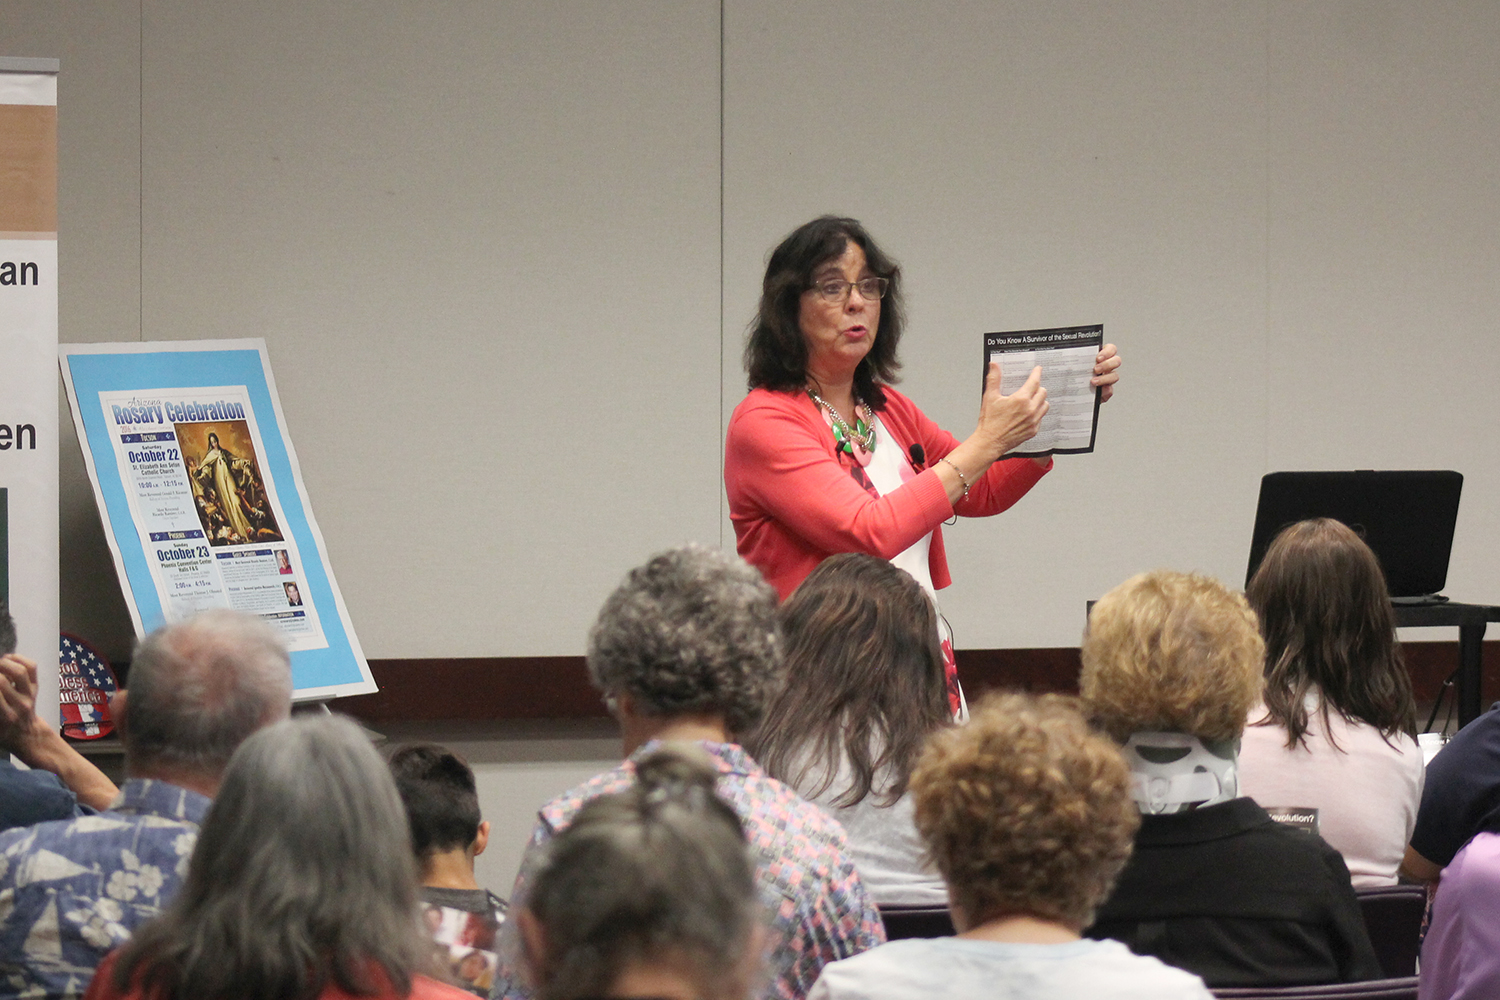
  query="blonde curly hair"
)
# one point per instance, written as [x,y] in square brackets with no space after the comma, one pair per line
[1172,652]
[1026,811]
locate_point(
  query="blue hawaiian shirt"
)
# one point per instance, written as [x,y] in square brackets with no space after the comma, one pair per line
[73,890]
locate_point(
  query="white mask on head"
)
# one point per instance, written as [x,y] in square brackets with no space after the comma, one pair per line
[1175,772]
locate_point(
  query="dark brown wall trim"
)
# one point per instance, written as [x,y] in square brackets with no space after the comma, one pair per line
[557,687]
[491,687]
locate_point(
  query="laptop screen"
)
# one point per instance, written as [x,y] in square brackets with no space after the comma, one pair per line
[1407,518]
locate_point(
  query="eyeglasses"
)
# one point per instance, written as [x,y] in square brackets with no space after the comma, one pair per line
[834,291]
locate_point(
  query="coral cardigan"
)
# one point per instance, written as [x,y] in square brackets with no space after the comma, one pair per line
[794,504]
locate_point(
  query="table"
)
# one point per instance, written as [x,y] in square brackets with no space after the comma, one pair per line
[1471,620]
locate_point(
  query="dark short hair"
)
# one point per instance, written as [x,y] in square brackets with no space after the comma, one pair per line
[7,631]
[442,803]
[776,353]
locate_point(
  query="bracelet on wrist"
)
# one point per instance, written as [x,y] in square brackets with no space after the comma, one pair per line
[961,477]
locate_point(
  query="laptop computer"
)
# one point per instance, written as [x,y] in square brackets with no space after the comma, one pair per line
[1407,518]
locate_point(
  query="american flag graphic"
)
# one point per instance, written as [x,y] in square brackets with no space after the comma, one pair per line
[87,681]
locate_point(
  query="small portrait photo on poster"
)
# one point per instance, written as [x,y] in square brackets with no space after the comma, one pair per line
[283,562]
[228,488]
[293,595]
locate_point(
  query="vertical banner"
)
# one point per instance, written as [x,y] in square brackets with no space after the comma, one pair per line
[28,353]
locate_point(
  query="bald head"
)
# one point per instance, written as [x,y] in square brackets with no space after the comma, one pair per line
[197,689]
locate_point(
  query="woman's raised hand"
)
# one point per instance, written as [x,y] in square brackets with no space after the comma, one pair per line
[1007,421]
[1004,422]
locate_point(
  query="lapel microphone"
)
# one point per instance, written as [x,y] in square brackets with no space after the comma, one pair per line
[918,456]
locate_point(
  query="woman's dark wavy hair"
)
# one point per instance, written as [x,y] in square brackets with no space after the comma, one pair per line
[865,681]
[776,353]
[1325,613]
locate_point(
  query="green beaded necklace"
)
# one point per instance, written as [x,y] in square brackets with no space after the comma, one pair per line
[863,433]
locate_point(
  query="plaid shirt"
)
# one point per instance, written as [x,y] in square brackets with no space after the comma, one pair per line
[817,906]
[73,890]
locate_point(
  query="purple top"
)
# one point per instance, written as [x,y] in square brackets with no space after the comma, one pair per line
[1461,955]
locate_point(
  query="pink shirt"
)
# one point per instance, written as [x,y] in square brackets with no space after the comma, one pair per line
[1366,791]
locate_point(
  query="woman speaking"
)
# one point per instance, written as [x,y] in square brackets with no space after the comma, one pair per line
[823,456]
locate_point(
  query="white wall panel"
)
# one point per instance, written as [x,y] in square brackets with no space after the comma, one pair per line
[1385,252]
[1034,166]
[481,241]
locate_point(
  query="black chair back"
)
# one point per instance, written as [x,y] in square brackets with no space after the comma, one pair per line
[1393,916]
[916,922]
[1404,988]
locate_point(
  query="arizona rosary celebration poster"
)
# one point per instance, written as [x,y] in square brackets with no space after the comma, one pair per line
[203,499]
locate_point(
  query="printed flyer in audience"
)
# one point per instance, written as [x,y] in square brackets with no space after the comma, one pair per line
[203,501]
[207,513]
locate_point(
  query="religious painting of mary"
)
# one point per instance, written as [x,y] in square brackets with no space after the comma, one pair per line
[228,490]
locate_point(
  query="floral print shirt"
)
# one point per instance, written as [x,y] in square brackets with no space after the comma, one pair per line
[73,890]
[817,909]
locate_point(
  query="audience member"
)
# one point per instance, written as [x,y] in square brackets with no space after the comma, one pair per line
[1460,798]
[1027,813]
[865,685]
[447,833]
[688,649]
[301,885]
[60,782]
[1336,731]
[1461,952]
[71,890]
[1171,665]
[650,892]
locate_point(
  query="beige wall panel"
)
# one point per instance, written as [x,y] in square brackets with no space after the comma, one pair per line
[1385,251]
[481,241]
[1031,166]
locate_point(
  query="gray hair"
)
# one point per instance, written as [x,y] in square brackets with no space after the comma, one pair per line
[658,871]
[198,688]
[303,876]
[692,631]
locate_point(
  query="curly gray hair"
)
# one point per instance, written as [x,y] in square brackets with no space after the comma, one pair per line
[692,631]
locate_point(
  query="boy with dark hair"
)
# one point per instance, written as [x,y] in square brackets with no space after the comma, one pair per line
[447,833]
